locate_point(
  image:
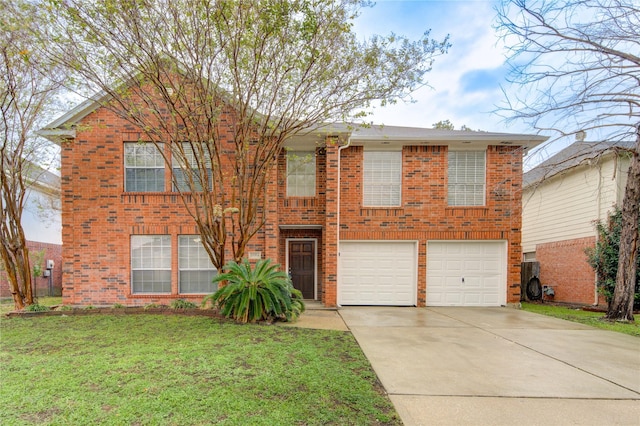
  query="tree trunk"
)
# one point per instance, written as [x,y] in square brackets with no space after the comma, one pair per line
[14,252]
[621,306]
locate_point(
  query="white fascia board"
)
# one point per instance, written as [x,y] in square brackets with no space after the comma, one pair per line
[63,127]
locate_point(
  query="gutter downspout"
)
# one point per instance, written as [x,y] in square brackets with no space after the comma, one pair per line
[340,148]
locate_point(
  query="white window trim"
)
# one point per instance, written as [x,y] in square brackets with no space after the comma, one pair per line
[301,154]
[386,153]
[127,167]
[190,157]
[484,183]
[181,269]
[147,269]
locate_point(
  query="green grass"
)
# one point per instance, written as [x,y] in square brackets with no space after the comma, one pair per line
[594,319]
[178,370]
[6,305]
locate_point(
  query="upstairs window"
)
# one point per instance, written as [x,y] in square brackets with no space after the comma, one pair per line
[301,174]
[466,174]
[144,168]
[382,181]
[151,264]
[195,268]
[188,169]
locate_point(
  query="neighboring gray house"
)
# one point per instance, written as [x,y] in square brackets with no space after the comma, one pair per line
[562,198]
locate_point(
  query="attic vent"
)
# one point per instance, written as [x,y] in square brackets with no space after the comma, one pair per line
[581,135]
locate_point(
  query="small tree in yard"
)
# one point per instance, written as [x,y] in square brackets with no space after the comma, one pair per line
[26,90]
[578,65]
[604,257]
[271,68]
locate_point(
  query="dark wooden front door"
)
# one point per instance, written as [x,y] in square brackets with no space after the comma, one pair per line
[302,267]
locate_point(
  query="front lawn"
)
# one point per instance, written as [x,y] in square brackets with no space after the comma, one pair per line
[594,319]
[7,305]
[178,370]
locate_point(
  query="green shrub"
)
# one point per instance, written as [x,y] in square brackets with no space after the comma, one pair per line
[183,304]
[604,257]
[118,306]
[253,294]
[36,308]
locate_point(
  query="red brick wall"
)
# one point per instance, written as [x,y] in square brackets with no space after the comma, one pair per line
[51,251]
[563,266]
[425,215]
[98,217]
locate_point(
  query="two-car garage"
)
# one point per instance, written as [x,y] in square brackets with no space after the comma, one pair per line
[458,273]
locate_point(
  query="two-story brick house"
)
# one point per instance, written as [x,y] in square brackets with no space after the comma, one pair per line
[373,216]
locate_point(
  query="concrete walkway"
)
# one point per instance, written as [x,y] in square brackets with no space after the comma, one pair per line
[498,366]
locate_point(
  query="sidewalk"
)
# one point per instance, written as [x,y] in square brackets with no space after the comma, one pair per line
[318,317]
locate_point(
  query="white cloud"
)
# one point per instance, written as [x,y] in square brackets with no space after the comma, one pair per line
[475,52]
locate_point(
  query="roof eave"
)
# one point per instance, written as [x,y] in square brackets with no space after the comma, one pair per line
[57,136]
[63,127]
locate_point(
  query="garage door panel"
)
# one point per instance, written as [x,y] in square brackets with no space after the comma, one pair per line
[482,264]
[377,273]
[471,283]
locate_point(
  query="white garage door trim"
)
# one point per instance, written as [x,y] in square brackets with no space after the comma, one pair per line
[467,273]
[381,273]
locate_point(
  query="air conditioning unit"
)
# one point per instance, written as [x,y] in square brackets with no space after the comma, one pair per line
[530,288]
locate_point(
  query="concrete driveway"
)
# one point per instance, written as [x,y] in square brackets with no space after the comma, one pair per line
[498,366]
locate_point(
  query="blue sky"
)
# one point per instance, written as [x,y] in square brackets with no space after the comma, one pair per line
[467,85]
[466,82]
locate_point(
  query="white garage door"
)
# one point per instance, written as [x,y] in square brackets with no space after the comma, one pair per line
[377,273]
[468,273]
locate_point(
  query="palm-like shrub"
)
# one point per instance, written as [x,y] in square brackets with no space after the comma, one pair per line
[256,293]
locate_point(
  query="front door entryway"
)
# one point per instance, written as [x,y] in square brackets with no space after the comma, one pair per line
[302,266]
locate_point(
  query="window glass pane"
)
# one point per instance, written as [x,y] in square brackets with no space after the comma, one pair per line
[151,263]
[466,178]
[195,268]
[188,157]
[198,282]
[301,174]
[382,178]
[144,180]
[144,168]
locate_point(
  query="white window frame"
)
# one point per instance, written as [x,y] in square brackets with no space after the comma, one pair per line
[382,179]
[190,157]
[136,159]
[467,186]
[144,260]
[301,180]
[198,263]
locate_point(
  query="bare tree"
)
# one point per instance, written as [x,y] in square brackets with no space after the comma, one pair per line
[25,94]
[577,64]
[272,68]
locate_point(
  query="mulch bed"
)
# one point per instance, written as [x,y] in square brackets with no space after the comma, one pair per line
[212,313]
